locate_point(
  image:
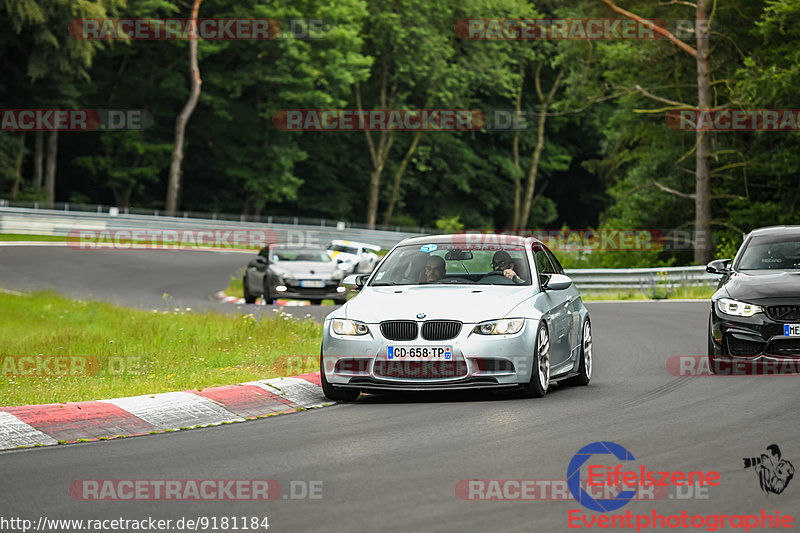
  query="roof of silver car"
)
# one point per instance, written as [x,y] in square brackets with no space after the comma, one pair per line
[487,238]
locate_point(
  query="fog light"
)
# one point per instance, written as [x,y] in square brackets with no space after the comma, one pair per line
[281,288]
[340,289]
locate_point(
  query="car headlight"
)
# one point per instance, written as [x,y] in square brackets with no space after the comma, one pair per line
[508,326]
[728,306]
[342,326]
[284,274]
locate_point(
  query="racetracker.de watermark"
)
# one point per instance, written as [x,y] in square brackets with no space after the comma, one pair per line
[379,120]
[195,490]
[169,239]
[70,365]
[208,29]
[730,120]
[75,119]
[560,29]
[701,366]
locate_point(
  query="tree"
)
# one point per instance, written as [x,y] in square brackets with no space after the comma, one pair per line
[702,195]
[174,183]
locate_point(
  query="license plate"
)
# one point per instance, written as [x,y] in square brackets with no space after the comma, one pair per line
[420,353]
[312,284]
[791,330]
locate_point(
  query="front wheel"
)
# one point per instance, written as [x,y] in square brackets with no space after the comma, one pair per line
[585,366]
[337,395]
[540,374]
[248,297]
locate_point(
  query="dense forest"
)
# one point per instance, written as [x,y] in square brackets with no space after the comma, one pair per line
[596,148]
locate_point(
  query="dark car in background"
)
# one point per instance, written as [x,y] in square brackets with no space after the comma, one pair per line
[755,312]
[293,272]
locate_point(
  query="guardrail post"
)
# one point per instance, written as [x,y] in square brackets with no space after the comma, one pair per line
[66,206]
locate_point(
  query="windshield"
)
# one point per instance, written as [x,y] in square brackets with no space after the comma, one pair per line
[447,264]
[299,254]
[771,253]
[345,249]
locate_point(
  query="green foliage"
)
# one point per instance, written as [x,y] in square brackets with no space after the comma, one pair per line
[610,160]
[449,224]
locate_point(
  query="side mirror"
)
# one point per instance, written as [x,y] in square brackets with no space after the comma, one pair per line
[261,259]
[720,266]
[355,282]
[556,282]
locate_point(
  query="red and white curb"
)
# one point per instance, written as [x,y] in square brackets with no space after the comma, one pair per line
[221,297]
[49,424]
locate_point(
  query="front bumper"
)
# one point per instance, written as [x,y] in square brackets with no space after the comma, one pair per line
[478,361]
[756,337]
[293,290]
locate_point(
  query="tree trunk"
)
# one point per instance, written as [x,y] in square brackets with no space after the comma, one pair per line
[18,168]
[174,184]
[50,169]
[515,147]
[537,151]
[38,155]
[377,156]
[387,217]
[702,196]
[702,221]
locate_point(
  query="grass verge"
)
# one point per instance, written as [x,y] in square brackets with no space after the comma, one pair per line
[20,237]
[140,352]
[677,293]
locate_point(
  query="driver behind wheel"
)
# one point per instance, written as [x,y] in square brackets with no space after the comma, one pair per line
[502,262]
[434,269]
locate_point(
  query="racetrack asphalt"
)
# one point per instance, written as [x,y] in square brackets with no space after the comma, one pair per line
[392,463]
[135,277]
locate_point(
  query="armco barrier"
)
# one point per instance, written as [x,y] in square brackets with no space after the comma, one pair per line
[650,280]
[58,222]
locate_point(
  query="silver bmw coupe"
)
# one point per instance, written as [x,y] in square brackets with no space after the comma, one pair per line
[459,311]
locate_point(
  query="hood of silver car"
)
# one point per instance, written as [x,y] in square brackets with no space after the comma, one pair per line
[467,303]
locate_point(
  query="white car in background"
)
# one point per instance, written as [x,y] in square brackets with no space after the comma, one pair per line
[361,258]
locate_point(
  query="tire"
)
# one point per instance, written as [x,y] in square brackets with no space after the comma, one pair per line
[540,374]
[340,301]
[316,301]
[267,294]
[248,298]
[713,361]
[585,367]
[332,393]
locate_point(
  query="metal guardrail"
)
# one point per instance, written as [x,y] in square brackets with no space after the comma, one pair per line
[54,222]
[72,207]
[652,281]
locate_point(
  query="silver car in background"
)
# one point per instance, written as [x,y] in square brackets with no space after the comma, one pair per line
[455,312]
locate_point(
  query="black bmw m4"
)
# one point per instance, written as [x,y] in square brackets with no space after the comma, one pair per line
[754,326]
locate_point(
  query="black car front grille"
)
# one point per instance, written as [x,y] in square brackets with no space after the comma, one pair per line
[399,330]
[440,330]
[742,347]
[783,313]
[420,369]
[784,347]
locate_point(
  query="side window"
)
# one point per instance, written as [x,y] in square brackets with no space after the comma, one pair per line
[558,268]
[543,264]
